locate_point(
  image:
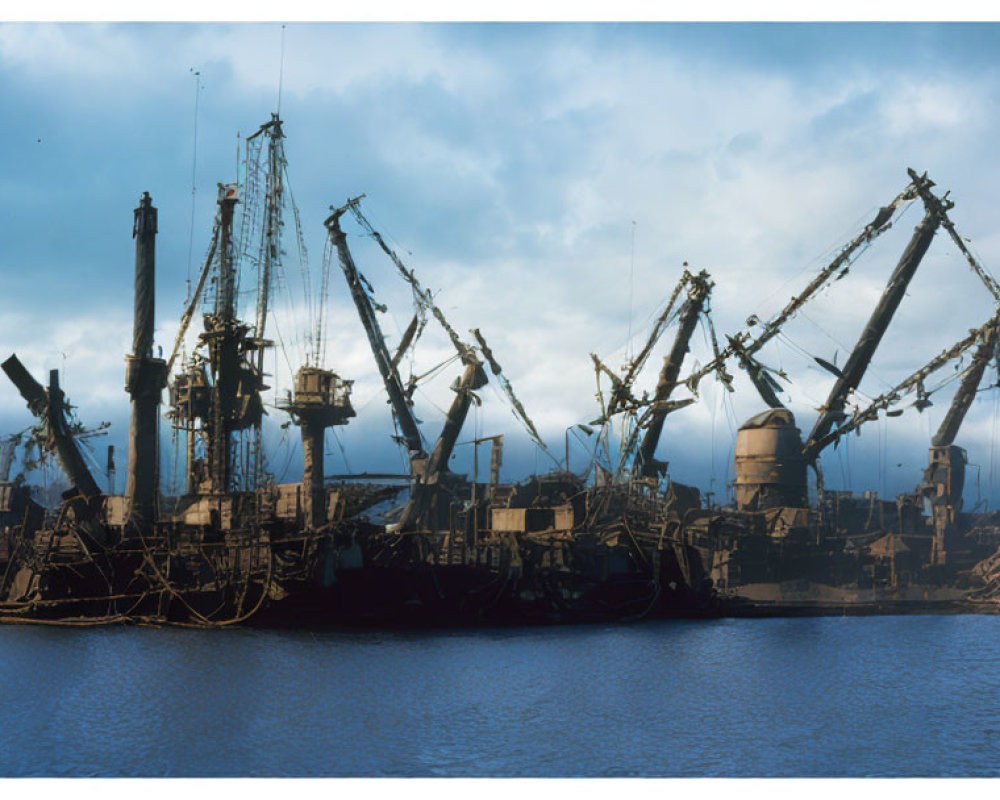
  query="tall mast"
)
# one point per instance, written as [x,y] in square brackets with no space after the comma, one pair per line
[274,200]
[222,339]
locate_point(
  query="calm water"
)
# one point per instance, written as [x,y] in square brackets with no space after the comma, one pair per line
[913,696]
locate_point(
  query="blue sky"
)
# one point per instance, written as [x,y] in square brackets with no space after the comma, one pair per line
[507,162]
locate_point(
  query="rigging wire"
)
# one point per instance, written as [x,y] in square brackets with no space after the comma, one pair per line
[194,184]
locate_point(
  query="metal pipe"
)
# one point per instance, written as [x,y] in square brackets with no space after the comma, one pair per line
[145,375]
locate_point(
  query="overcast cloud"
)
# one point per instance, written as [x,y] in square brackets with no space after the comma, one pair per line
[510,165]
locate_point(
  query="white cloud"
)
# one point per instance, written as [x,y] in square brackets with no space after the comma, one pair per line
[512,169]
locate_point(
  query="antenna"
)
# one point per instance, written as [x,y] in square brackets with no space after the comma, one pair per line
[281,68]
[631,287]
[194,170]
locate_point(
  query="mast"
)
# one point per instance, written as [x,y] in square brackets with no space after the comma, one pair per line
[390,376]
[221,336]
[145,375]
[274,200]
[271,252]
[697,294]
[871,336]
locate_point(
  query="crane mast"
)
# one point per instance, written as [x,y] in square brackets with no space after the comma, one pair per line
[698,293]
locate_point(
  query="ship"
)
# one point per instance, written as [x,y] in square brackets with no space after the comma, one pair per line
[236,547]
[771,551]
[623,542]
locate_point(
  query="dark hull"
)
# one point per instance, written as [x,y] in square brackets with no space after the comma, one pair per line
[463,596]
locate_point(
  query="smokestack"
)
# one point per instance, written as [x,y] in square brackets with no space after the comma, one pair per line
[145,375]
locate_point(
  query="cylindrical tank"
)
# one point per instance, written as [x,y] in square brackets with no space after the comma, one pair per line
[770,468]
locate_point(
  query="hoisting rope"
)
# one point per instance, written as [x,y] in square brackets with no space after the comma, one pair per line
[622,388]
[518,408]
[423,298]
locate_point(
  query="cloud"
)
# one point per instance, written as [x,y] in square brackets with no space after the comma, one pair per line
[507,164]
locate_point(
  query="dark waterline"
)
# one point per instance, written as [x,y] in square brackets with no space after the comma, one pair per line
[877,696]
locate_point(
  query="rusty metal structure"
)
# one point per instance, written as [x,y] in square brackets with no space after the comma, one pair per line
[235,546]
[623,540]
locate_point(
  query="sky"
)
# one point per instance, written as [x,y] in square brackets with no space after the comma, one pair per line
[546,181]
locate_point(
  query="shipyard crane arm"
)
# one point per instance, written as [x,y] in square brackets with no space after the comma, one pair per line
[699,288]
[474,376]
[621,398]
[193,304]
[50,407]
[424,301]
[626,401]
[390,376]
[425,484]
[941,206]
[984,334]
[744,346]
[857,364]
[621,391]
[966,393]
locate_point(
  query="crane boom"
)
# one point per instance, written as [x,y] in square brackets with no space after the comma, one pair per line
[49,406]
[914,381]
[622,389]
[871,336]
[747,347]
[390,376]
[966,393]
[698,292]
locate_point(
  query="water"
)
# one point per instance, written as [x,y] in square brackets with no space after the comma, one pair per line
[884,696]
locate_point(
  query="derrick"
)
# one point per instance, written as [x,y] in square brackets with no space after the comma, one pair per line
[871,336]
[390,376]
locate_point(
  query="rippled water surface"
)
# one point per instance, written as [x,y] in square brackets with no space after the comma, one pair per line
[913,696]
